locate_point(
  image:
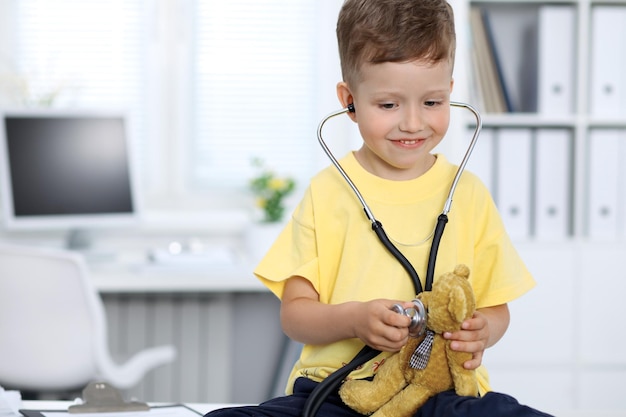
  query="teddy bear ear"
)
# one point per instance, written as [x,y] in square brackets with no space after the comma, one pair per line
[462,270]
[458,304]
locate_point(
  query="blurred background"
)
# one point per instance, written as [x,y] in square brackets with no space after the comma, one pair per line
[202,89]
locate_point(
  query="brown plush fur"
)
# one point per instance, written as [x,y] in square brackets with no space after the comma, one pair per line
[398,390]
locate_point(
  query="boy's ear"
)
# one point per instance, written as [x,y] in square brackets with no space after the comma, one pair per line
[345,98]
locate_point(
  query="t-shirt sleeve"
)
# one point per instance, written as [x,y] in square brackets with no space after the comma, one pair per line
[294,253]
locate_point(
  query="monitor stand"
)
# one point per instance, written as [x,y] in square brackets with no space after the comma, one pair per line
[78,240]
[81,241]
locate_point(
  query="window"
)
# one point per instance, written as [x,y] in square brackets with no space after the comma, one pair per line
[254,69]
[209,84]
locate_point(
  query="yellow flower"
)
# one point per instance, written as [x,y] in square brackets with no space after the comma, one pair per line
[276,184]
[261,202]
[270,192]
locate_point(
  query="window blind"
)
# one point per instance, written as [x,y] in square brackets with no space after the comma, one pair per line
[254,71]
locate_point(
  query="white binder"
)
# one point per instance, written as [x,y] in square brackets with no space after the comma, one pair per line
[608,60]
[513,179]
[622,186]
[482,160]
[604,185]
[555,95]
[552,184]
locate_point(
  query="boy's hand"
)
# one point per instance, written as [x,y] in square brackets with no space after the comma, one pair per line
[481,331]
[377,325]
[305,319]
[472,338]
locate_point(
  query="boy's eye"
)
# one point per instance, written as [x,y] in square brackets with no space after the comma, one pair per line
[430,103]
[387,105]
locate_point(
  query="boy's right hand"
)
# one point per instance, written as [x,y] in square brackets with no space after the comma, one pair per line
[378,326]
[307,320]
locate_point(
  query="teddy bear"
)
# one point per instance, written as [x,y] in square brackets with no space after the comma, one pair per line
[400,388]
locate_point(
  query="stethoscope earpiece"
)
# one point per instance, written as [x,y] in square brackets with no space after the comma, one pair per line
[351,108]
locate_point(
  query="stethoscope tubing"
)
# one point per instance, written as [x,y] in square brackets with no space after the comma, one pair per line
[443,217]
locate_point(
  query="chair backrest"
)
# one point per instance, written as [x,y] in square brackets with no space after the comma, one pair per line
[51,318]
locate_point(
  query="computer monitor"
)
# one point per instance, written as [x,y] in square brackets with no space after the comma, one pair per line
[63,169]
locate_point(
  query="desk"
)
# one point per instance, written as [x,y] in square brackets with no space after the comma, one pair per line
[146,278]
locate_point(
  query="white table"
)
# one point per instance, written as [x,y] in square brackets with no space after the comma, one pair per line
[63,405]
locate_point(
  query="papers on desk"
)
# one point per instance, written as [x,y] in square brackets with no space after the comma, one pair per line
[10,402]
[177,410]
[213,257]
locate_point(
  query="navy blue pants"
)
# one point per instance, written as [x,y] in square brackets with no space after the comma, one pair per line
[446,404]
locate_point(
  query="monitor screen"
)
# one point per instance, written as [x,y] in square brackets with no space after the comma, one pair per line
[65,169]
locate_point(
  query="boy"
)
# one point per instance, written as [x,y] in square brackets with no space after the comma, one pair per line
[336,282]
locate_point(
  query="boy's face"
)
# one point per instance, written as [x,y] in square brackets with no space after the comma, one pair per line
[403,112]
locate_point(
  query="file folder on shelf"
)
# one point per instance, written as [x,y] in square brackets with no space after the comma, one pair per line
[485,67]
[482,161]
[513,179]
[608,60]
[552,184]
[556,63]
[604,185]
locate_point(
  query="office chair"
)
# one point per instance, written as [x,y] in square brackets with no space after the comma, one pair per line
[53,332]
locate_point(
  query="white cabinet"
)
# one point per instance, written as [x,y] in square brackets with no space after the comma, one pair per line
[563,347]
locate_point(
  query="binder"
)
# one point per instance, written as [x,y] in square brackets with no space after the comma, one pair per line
[604,188]
[621,210]
[485,66]
[552,185]
[513,179]
[555,95]
[482,160]
[608,60]
[504,98]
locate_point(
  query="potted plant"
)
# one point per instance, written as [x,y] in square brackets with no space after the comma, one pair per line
[270,192]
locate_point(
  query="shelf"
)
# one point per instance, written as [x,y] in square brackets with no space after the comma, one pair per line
[554,166]
[535,120]
[527,120]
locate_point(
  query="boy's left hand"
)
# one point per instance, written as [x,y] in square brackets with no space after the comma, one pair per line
[472,338]
[481,331]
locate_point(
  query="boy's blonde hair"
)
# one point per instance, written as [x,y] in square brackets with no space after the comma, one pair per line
[377,31]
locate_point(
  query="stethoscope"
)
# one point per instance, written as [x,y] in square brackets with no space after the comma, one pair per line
[417,313]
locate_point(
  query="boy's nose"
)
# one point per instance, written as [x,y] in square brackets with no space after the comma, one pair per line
[412,121]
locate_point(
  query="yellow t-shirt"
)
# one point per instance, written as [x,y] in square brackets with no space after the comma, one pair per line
[330,242]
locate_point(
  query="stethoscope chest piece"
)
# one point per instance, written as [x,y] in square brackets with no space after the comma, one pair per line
[418,317]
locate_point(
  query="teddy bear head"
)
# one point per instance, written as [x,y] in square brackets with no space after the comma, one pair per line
[450,302]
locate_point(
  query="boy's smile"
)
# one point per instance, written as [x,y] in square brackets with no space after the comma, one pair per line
[403,112]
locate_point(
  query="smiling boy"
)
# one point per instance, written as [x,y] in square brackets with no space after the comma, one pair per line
[336,282]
